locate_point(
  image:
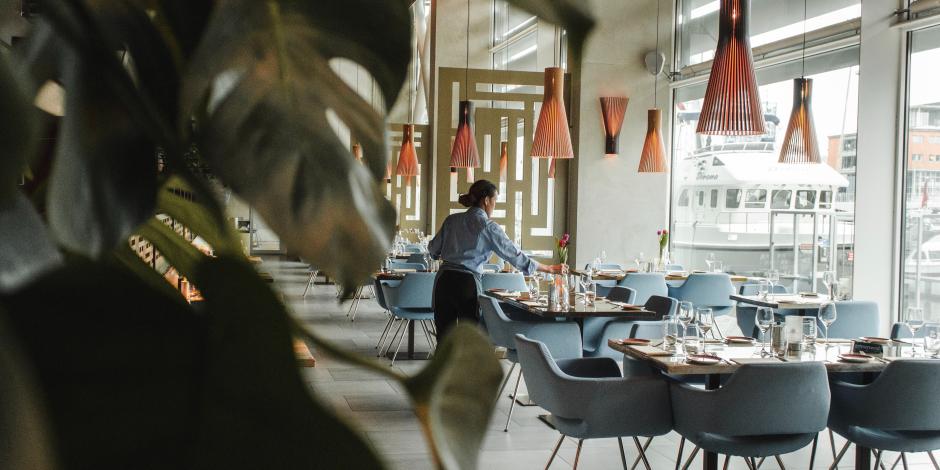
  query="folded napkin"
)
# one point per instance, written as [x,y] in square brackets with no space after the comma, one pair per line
[756,360]
[651,351]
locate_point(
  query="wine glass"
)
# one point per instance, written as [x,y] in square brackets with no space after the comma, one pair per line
[764,319]
[829,278]
[686,315]
[706,319]
[709,261]
[827,315]
[773,277]
[534,288]
[914,322]
[762,288]
[603,256]
[639,261]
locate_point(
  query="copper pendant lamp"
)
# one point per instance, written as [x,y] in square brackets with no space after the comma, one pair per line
[799,143]
[503,161]
[463,154]
[653,158]
[357,152]
[551,169]
[552,139]
[612,111]
[388,172]
[407,158]
[732,104]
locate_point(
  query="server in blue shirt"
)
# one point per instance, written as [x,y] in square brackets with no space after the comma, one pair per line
[465,242]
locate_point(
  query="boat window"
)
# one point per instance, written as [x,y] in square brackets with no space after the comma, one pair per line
[825,199]
[717,162]
[714,198]
[780,199]
[756,199]
[701,199]
[684,198]
[805,199]
[733,198]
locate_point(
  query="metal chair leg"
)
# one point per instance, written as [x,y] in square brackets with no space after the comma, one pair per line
[384,350]
[691,458]
[623,456]
[835,462]
[400,340]
[933,460]
[725,466]
[903,460]
[758,463]
[878,454]
[513,404]
[639,448]
[780,462]
[577,454]
[832,444]
[812,454]
[310,280]
[679,457]
[645,446]
[388,326]
[555,451]
[506,379]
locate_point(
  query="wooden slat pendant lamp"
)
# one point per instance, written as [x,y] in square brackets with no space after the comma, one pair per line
[407,158]
[612,112]
[653,158]
[552,139]
[464,154]
[732,103]
[503,161]
[357,152]
[799,143]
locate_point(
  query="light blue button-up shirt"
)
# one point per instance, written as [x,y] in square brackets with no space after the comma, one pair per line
[469,239]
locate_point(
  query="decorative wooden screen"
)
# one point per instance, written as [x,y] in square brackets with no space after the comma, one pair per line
[411,201]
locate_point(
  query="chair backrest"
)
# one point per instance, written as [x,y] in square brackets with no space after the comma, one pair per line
[495,321]
[662,305]
[854,318]
[406,265]
[902,398]
[645,285]
[491,267]
[415,291]
[418,258]
[380,293]
[763,399]
[900,331]
[508,281]
[753,289]
[706,290]
[608,266]
[541,376]
[414,248]
[622,294]
[671,268]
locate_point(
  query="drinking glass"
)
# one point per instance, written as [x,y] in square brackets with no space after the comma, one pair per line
[603,256]
[932,339]
[829,277]
[670,332]
[693,342]
[686,315]
[914,322]
[763,287]
[764,319]
[773,277]
[718,266]
[827,315]
[534,288]
[639,261]
[590,294]
[709,260]
[809,331]
[706,319]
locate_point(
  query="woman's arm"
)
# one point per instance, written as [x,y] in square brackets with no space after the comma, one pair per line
[509,251]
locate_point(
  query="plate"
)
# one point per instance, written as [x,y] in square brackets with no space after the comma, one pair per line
[739,339]
[855,358]
[703,359]
[875,340]
[809,294]
[634,341]
[496,289]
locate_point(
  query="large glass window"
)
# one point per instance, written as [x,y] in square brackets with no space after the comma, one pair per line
[515,38]
[781,206]
[921,230]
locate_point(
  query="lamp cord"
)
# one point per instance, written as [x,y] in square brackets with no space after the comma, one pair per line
[414,78]
[466,79]
[656,64]
[803,60]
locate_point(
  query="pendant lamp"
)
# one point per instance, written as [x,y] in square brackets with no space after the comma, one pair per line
[407,158]
[463,154]
[732,104]
[552,139]
[799,143]
[503,161]
[388,172]
[653,158]
[357,152]
[551,169]
[612,111]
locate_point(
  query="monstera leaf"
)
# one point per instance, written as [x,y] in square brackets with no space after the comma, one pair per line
[17,132]
[267,135]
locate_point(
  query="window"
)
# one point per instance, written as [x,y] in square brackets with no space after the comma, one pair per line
[920,240]
[733,198]
[714,198]
[515,38]
[805,199]
[825,199]
[756,199]
[683,199]
[780,199]
[701,199]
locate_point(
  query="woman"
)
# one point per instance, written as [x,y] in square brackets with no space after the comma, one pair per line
[465,242]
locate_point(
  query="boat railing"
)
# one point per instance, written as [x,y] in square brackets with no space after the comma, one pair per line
[736,147]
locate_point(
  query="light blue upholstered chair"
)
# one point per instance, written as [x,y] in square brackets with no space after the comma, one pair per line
[897,412]
[646,285]
[593,328]
[588,398]
[618,329]
[900,331]
[854,318]
[414,248]
[418,258]
[673,268]
[491,268]
[380,299]
[562,338]
[608,266]
[622,294]
[745,313]
[509,281]
[410,301]
[762,410]
[406,265]
[712,290]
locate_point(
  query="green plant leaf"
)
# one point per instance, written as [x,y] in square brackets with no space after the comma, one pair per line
[26,440]
[200,213]
[572,15]
[268,137]
[26,251]
[455,395]
[129,260]
[17,132]
[258,412]
[180,253]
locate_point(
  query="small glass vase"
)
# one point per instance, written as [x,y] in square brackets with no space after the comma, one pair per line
[663,261]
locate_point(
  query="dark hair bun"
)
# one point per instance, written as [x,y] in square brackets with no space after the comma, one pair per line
[467,200]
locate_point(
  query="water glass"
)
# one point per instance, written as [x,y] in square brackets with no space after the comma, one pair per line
[670,332]
[914,321]
[827,315]
[718,266]
[639,261]
[763,287]
[932,339]
[590,294]
[764,319]
[709,261]
[829,278]
[686,314]
[534,288]
[706,319]
[809,331]
[693,342]
[773,277]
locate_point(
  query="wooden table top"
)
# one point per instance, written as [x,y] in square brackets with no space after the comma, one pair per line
[783,301]
[614,276]
[676,365]
[601,308]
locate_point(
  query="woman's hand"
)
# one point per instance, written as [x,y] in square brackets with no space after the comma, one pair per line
[554,268]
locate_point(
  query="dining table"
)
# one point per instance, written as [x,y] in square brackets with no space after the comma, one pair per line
[614,275]
[731,356]
[805,301]
[577,310]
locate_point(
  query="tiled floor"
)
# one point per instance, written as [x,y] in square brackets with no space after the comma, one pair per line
[383,413]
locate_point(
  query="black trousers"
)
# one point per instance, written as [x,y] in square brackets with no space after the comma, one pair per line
[455,300]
